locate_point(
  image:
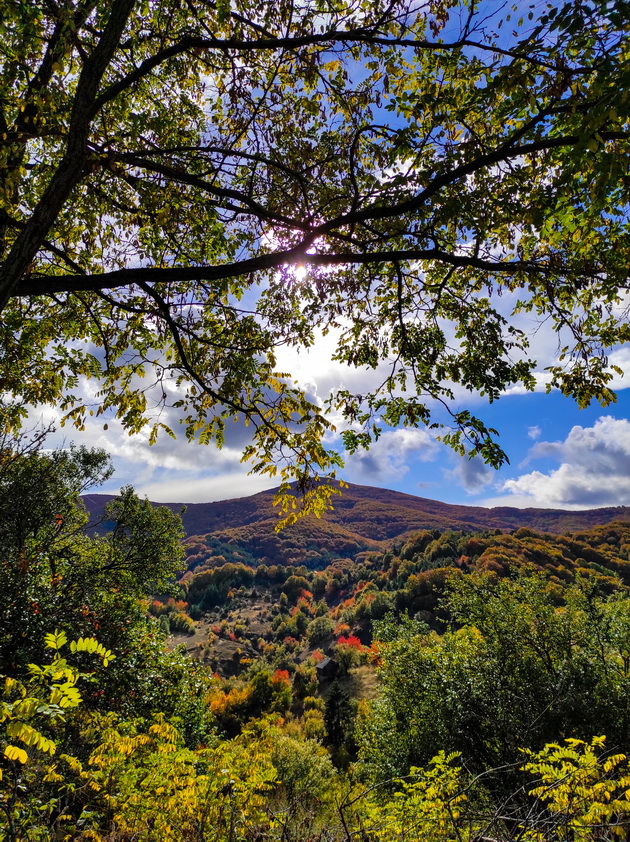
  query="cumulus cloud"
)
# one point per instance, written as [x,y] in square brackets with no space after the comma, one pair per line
[206,489]
[590,461]
[390,457]
[168,470]
[594,470]
[472,474]
[621,359]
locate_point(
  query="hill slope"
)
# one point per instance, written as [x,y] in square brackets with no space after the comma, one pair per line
[364,518]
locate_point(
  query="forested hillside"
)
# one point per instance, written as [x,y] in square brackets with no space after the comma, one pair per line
[288,230]
[456,683]
[363,518]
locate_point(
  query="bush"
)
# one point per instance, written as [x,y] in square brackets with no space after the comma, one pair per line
[181,623]
[519,672]
[319,629]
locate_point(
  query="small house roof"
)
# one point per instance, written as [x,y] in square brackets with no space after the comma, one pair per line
[326,668]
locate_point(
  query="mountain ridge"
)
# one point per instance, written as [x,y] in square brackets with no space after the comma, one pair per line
[364,518]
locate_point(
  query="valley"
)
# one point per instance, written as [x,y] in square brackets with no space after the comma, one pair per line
[359,671]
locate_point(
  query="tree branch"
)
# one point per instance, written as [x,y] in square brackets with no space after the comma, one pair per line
[156,274]
[340,36]
[502,154]
[70,169]
[184,177]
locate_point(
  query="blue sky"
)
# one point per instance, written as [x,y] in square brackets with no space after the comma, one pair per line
[560,456]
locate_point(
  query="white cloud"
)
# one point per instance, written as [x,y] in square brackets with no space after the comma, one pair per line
[473,474]
[198,473]
[171,469]
[620,358]
[205,489]
[391,456]
[594,470]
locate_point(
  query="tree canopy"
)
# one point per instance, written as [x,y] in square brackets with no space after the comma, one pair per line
[55,573]
[185,187]
[519,666]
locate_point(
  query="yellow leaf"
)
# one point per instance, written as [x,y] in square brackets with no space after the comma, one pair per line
[56,639]
[15,753]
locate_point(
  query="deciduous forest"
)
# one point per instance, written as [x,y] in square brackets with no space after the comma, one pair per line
[187,189]
[460,685]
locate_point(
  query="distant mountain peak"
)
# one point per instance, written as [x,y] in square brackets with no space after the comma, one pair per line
[364,518]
